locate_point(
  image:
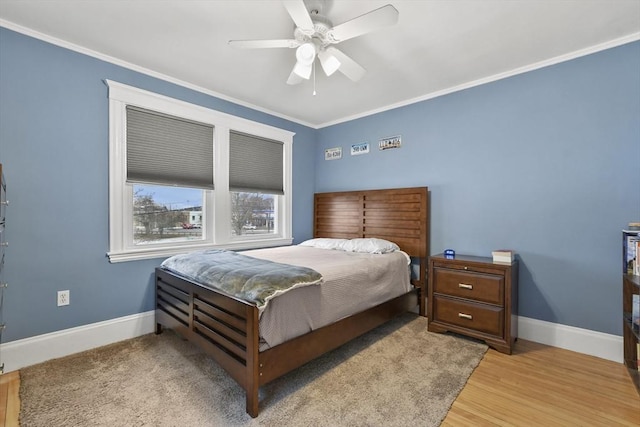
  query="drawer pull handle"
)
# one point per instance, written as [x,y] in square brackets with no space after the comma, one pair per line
[465,286]
[465,316]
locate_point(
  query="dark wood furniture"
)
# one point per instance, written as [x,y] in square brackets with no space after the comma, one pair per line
[474,296]
[3,244]
[630,332]
[227,328]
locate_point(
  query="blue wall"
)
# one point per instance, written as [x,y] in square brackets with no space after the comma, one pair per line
[546,162]
[54,148]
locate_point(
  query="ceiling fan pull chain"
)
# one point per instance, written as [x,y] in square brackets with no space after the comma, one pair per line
[314,78]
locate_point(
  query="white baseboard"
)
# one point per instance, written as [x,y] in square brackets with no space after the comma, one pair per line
[30,351]
[599,344]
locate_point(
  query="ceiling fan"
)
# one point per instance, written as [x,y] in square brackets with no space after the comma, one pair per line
[314,36]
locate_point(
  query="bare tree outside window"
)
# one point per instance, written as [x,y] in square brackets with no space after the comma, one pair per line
[155,221]
[252,213]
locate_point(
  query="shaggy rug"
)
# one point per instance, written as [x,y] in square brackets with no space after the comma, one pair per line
[398,374]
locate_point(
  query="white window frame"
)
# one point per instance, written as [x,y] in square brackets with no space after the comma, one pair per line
[216,203]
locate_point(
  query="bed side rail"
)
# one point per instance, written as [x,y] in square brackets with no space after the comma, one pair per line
[291,354]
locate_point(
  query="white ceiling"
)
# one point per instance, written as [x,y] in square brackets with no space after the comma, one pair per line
[436,47]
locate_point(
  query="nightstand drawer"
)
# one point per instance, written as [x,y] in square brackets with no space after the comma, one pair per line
[479,317]
[475,286]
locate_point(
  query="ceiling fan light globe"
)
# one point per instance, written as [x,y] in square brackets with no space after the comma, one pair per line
[302,70]
[330,63]
[306,53]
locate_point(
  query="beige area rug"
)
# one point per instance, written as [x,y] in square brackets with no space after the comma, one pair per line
[396,375]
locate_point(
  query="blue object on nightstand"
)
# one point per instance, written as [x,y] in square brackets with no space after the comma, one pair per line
[449,253]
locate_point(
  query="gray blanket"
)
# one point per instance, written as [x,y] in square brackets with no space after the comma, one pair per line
[251,279]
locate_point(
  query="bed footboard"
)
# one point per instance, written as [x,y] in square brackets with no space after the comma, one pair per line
[226,328]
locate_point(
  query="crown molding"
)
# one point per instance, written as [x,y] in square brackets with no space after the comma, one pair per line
[499,76]
[521,70]
[131,66]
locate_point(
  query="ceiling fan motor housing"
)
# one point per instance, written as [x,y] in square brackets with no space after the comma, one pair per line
[319,36]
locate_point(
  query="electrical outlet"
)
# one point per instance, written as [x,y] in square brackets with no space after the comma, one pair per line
[63,298]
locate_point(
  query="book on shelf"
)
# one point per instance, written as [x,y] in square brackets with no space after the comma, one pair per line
[503,255]
[630,244]
[636,266]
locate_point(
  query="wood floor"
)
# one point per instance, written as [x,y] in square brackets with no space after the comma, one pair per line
[546,386]
[536,386]
[9,399]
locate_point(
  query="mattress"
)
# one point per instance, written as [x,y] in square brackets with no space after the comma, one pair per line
[352,282]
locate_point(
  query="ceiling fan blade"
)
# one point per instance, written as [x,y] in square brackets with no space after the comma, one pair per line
[261,44]
[299,13]
[348,66]
[374,20]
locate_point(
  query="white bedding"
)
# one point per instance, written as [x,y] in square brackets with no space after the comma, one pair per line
[353,282]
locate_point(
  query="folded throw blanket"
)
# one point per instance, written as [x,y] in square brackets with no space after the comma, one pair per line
[251,279]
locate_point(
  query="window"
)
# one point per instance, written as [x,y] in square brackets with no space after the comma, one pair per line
[166,214]
[253,213]
[183,177]
[254,186]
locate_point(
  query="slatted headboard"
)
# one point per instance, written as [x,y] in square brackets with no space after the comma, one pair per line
[400,215]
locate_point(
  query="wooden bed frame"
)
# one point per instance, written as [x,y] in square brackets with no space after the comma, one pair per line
[226,328]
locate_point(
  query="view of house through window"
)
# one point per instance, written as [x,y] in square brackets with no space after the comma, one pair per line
[163,214]
[253,213]
[166,214]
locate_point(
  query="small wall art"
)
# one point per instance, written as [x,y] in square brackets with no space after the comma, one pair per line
[361,148]
[334,153]
[390,142]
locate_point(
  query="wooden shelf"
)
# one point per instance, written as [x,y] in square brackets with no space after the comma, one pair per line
[3,244]
[630,332]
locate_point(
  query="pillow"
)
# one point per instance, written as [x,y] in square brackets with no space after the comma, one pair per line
[370,245]
[325,243]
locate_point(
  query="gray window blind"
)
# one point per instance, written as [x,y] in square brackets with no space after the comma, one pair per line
[255,164]
[168,150]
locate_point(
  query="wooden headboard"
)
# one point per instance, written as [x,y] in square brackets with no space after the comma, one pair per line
[400,215]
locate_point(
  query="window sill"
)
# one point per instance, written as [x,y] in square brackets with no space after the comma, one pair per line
[151,253]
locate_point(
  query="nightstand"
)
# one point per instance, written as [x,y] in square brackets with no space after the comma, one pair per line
[476,297]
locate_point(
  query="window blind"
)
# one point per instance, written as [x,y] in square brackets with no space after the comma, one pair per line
[255,164]
[168,150]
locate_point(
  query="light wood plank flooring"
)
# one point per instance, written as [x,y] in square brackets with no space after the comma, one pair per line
[9,399]
[546,386]
[536,386]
